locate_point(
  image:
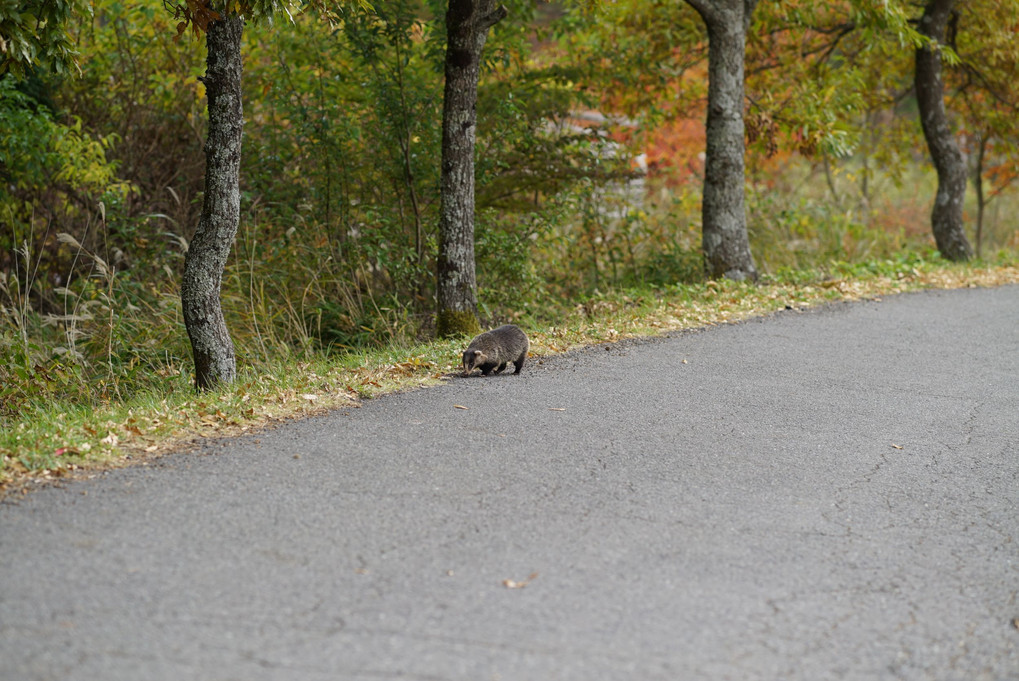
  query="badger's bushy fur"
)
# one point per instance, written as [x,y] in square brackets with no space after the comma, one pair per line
[495,349]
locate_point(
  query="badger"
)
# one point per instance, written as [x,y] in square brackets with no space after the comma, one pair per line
[495,349]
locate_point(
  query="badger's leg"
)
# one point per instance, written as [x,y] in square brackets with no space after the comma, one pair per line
[519,364]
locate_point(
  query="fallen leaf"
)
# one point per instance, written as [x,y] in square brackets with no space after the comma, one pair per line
[460,406]
[310,398]
[897,446]
[557,408]
[513,584]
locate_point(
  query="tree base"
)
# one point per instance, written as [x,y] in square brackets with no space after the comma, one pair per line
[454,323]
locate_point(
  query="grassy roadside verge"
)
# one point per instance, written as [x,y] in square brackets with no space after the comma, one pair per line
[54,440]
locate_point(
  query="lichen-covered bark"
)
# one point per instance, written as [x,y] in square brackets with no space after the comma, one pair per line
[946,216]
[212,347]
[467,26]
[453,323]
[724,226]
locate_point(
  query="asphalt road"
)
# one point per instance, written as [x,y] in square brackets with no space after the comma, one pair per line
[822,495]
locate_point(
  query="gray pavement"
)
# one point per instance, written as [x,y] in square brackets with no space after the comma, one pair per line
[823,495]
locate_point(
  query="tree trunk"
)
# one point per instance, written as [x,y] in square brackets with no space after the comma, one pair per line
[467,25]
[213,349]
[724,230]
[946,216]
[978,185]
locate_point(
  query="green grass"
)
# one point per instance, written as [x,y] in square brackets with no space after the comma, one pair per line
[55,434]
[96,368]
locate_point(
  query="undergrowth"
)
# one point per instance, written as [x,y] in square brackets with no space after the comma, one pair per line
[61,426]
[97,365]
[329,290]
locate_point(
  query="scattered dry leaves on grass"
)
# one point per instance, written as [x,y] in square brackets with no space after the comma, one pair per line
[120,435]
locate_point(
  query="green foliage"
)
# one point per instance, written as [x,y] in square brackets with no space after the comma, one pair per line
[343,141]
[198,14]
[804,233]
[54,177]
[336,247]
[35,34]
[638,52]
[143,86]
[86,285]
[98,337]
[38,155]
[509,281]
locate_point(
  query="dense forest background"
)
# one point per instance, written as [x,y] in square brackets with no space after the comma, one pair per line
[589,166]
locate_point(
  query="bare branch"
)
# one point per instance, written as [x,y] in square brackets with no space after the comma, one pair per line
[493,18]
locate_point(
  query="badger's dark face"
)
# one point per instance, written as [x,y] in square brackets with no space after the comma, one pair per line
[472,360]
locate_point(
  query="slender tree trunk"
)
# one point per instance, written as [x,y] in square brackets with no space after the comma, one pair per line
[978,185]
[213,349]
[467,26]
[946,216]
[866,139]
[830,179]
[724,231]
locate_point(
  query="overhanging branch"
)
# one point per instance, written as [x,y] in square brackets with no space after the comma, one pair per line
[493,18]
